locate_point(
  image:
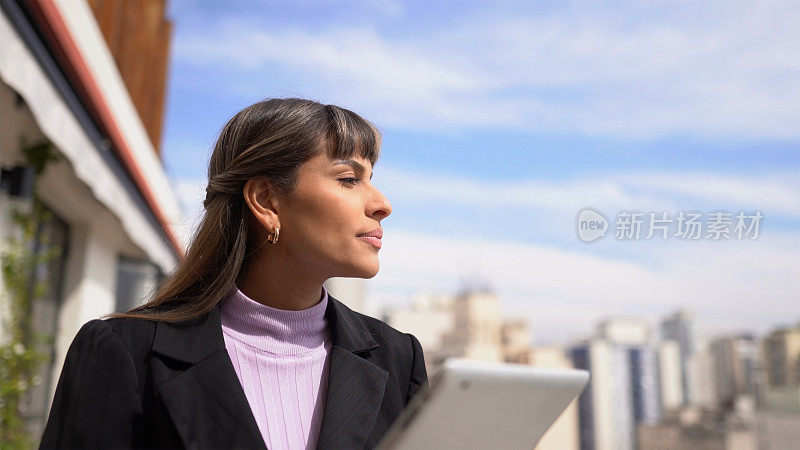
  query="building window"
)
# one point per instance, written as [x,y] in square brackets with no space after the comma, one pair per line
[137,281]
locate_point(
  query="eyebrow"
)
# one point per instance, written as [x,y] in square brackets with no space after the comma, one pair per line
[352,163]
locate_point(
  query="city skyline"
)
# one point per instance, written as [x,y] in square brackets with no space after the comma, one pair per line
[651,385]
[701,333]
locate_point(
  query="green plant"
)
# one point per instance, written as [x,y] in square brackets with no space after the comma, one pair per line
[25,259]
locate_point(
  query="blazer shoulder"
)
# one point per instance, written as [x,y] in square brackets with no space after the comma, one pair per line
[136,334]
[399,352]
[385,334]
[98,394]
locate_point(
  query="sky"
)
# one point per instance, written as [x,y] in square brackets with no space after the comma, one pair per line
[503,120]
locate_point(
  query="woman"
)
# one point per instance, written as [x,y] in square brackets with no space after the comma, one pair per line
[242,347]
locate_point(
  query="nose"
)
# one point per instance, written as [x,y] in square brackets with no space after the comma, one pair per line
[379,207]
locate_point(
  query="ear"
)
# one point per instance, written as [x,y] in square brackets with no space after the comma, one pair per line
[263,202]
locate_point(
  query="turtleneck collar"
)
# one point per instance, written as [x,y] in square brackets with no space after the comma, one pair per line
[274,330]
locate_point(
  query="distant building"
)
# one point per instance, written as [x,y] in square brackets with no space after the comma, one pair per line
[679,327]
[623,362]
[468,325]
[777,430]
[645,387]
[477,327]
[698,430]
[429,318]
[701,378]
[781,361]
[605,407]
[781,350]
[625,331]
[633,336]
[516,341]
[735,363]
[669,366]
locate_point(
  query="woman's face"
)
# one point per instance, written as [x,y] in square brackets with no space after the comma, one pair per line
[333,203]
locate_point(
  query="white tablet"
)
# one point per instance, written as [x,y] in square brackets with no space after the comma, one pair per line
[481,405]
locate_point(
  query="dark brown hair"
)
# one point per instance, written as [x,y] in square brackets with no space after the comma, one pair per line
[270,139]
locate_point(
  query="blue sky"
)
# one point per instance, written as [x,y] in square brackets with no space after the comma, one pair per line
[501,120]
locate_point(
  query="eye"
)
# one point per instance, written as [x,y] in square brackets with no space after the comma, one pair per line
[349,181]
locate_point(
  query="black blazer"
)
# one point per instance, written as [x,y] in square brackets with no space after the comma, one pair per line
[138,383]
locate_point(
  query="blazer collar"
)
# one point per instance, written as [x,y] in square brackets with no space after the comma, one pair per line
[355,385]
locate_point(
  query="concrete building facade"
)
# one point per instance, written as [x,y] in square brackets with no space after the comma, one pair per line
[114,211]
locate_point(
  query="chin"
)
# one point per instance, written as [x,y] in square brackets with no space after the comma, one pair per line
[367,269]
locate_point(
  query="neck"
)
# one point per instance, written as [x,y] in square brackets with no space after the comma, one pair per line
[280,285]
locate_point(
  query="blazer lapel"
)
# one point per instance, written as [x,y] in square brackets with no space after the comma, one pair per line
[199,385]
[355,385]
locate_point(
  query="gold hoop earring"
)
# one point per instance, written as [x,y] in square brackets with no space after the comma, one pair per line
[274,239]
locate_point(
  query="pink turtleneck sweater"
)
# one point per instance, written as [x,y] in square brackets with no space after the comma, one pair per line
[282,360]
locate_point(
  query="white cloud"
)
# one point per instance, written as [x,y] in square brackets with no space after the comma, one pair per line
[775,193]
[778,193]
[635,70]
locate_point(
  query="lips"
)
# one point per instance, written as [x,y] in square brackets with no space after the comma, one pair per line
[372,240]
[376,233]
[373,237]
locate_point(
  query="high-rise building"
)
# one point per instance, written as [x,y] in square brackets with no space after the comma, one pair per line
[781,362]
[645,387]
[477,331]
[624,389]
[604,408]
[669,366]
[632,337]
[781,351]
[735,363]
[679,327]
[701,378]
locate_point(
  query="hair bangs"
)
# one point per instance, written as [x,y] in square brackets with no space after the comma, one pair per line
[350,134]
